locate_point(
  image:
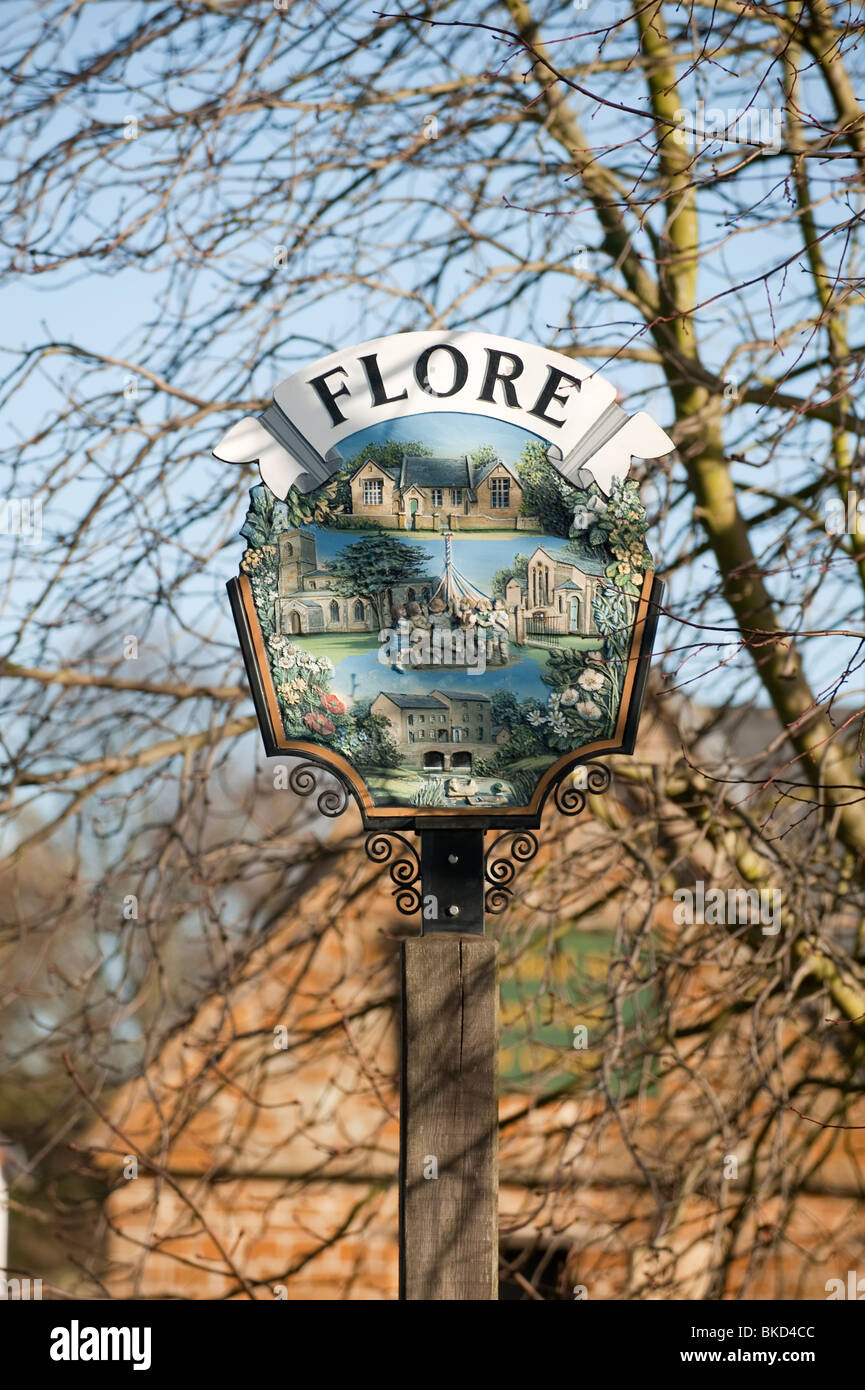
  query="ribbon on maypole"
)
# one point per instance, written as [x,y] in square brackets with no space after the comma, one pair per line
[454,585]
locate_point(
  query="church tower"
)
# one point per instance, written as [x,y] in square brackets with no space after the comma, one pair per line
[297,558]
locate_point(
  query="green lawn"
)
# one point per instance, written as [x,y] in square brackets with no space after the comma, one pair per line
[336,646]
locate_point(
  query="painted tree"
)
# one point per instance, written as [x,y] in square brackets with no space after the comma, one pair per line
[372,567]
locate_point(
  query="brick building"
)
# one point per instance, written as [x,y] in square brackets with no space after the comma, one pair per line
[271,1117]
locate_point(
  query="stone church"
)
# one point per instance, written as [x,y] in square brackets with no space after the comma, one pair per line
[556,595]
[307,603]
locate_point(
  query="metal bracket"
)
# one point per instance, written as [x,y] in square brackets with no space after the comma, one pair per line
[404,870]
[332,800]
[501,871]
[452,881]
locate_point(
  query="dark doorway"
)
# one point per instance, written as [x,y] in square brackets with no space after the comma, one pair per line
[461,760]
[434,762]
[295,622]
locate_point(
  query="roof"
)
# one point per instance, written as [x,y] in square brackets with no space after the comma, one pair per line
[569,584]
[463,695]
[423,470]
[419,471]
[404,701]
[480,471]
[581,559]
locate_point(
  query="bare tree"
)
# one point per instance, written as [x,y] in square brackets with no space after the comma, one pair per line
[214,195]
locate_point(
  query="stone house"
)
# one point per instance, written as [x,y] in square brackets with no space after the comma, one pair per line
[426,728]
[421,493]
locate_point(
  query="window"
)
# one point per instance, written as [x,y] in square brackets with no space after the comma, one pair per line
[421,719]
[443,734]
[334,611]
[289,549]
[411,738]
[358,611]
[436,496]
[500,492]
[456,496]
[373,492]
[411,719]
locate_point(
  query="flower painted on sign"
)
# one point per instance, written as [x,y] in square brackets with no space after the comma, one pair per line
[569,696]
[333,704]
[589,680]
[318,724]
[292,691]
[588,709]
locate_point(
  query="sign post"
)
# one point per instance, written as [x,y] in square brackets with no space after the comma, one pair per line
[446,607]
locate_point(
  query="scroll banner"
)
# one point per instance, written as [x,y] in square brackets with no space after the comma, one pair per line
[296,440]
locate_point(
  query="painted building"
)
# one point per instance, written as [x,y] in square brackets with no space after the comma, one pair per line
[306,603]
[443,731]
[429,493]
[556,596]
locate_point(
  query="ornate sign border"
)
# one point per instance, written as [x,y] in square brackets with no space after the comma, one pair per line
[406,818]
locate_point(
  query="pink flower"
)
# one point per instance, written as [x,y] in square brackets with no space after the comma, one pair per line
[333,704]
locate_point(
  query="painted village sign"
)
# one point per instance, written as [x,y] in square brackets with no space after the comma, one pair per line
[446,596]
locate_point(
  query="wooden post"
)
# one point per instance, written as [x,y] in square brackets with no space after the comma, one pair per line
[449,1118]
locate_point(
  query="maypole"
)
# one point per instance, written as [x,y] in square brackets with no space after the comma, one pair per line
[454,586]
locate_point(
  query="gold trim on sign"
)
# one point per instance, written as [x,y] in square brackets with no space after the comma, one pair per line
[353,777]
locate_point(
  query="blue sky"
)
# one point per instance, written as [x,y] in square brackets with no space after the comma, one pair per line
[448,434]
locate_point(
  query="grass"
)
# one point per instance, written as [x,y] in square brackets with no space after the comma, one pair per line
[336,646]
[394,782]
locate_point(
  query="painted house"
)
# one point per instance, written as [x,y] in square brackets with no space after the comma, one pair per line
[429,493]
[428,728]
[306,603]
[556,595]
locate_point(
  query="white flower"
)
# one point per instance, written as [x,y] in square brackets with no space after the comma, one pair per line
[536,718]
[569,696]
[588,709]
[590,680]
